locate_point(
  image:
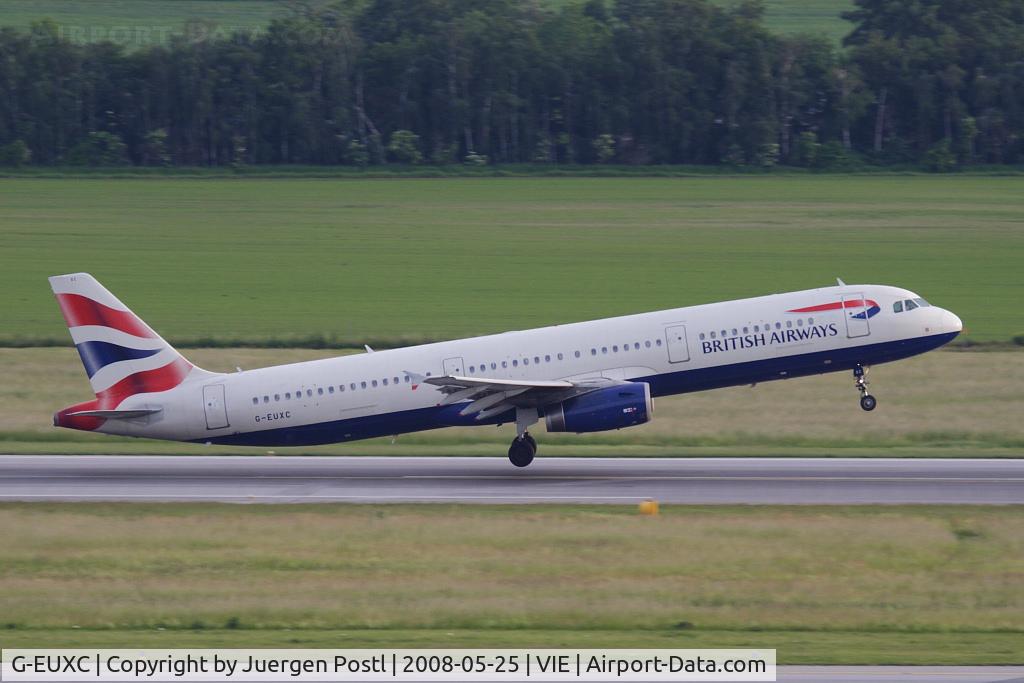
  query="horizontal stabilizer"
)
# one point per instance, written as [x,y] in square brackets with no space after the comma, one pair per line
[116,414]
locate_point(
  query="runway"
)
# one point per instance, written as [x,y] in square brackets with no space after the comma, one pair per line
[283,479]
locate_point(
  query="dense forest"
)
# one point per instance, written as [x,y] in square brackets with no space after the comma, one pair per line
[932,82]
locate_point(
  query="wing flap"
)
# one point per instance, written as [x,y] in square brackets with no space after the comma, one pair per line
[466,382]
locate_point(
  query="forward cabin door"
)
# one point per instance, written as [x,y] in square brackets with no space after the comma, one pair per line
[856,314]
[678,348]
[216,408]
[454,366]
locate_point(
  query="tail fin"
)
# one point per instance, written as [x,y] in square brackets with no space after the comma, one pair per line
[122,355]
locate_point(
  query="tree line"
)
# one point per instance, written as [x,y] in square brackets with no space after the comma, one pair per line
[359,82]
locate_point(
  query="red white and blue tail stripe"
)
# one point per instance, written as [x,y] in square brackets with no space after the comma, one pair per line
[122,355]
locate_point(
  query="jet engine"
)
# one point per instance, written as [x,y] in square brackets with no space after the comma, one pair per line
[615,407]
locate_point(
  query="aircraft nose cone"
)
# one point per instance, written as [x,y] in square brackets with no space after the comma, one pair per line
[953,322]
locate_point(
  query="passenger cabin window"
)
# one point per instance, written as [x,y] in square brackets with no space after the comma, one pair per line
[897,307]
[255,400]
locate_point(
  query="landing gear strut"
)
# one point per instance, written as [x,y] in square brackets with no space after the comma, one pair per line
[524,446]
[522,450]
[867,401]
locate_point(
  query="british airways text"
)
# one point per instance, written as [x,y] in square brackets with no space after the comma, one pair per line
[749,341]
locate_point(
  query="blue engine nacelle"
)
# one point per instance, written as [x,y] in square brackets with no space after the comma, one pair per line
[623,405]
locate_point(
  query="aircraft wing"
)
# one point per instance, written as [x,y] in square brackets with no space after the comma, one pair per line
[491,396]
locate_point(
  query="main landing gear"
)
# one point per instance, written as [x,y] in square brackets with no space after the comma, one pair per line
[524,446]
[867,401]
[522,450]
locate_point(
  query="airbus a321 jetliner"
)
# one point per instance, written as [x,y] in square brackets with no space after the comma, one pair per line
[583,377]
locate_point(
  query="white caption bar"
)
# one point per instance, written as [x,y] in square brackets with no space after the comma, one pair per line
[388,665]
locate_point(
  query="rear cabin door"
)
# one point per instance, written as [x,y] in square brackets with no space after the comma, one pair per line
[856,313]
[678,348]
[454,366]
[216,408]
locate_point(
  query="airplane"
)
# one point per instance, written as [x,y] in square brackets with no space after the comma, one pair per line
[580,377]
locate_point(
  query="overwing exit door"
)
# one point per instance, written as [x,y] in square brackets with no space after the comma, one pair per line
[454,366]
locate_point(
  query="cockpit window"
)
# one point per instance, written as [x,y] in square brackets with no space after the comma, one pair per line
[897,307]
[910,305]
[921,302]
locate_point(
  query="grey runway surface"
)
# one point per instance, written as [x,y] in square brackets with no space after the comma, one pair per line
[283,479]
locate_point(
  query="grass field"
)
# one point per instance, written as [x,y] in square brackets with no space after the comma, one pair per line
[939,404]
[142,22]
[258,260]
[830,585]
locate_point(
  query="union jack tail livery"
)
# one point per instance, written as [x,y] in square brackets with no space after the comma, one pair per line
[122,355]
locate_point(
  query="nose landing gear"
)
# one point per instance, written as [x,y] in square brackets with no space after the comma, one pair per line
[867,401]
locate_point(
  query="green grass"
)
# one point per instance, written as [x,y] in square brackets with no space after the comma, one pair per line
[794,647]
[144,22]
[823,585]
[398,260]
[139,23]
[814,17]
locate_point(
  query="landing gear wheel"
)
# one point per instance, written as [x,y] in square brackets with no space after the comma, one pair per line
[533,442]
[521,452]
[867,401]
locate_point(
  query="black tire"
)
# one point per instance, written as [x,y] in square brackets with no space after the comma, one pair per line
[533,442]
[520,453]
[868,402]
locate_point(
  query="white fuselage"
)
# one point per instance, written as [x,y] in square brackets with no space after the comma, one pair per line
[675,351]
